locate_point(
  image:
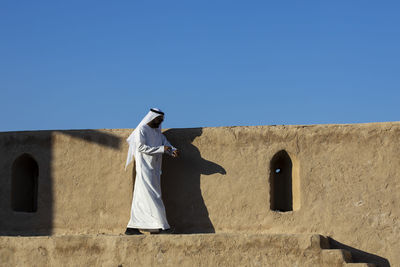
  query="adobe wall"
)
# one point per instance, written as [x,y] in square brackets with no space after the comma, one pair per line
[346,182]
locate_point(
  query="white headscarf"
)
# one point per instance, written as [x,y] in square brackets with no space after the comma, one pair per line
[151,115]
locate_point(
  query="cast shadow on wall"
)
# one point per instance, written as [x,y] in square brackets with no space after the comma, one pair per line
[359,256]
[180,183]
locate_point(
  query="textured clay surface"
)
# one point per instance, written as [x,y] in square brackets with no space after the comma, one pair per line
[346,183]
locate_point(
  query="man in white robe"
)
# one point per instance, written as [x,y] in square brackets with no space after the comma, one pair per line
[147,144]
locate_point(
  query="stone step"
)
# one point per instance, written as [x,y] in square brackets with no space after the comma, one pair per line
[171,250]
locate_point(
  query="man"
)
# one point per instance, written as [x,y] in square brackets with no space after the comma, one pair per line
[147,144]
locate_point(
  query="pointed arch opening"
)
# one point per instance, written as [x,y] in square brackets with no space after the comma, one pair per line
[284,183]
[24,184]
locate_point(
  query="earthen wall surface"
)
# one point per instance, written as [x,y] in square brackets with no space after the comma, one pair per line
[348,182]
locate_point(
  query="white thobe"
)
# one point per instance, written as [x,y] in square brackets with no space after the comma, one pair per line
[148,211]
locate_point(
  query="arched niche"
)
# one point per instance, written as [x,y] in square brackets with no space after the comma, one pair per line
[24,184]
[284,183]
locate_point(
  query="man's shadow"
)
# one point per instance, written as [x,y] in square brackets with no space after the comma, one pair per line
[180,183]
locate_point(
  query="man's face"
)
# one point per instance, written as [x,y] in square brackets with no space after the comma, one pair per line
[155,123]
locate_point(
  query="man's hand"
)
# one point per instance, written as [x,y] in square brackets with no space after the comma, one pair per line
[167,149]
[175,153]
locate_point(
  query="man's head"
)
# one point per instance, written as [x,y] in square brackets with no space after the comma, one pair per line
[156,122]
[158,117]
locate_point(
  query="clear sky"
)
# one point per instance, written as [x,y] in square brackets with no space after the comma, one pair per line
[102,64]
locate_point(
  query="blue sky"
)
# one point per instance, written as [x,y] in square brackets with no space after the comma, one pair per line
[103,64]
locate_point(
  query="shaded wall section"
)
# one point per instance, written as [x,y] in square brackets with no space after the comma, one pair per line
[13,147]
